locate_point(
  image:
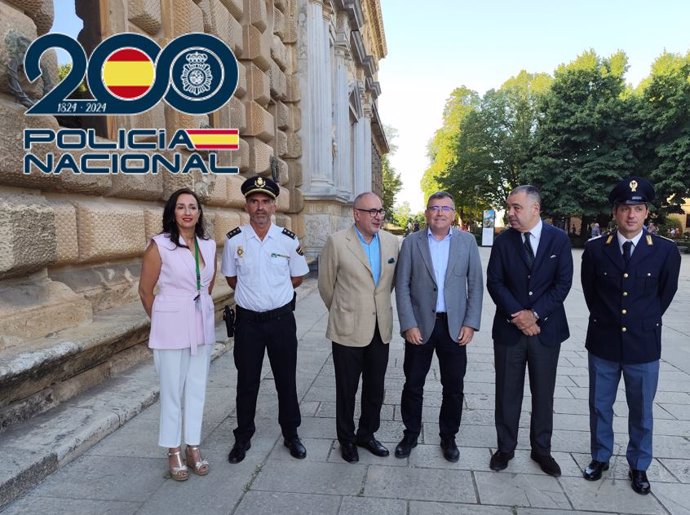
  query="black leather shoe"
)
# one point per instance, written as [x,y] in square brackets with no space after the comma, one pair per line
[404,448]
[500,459]
[594,470]
[450,449]
[640,483]
[374,447]
[296,447]
[348,451]
[238,451]
[547,463]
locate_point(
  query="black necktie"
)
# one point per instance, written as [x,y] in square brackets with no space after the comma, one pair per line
[528,249]
[627,252]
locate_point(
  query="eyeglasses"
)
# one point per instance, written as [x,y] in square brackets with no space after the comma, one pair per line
[438,209]
[372,212]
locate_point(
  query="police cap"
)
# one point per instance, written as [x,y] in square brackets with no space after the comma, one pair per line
[260,184]
[632,190]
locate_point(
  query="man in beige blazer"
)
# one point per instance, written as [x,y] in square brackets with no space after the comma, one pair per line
[356,277]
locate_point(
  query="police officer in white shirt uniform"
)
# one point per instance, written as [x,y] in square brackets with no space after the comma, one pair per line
[263,263]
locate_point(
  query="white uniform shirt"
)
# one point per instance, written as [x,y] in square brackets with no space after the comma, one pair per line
[263,268]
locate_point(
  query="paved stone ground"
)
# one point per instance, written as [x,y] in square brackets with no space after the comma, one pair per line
[126,472]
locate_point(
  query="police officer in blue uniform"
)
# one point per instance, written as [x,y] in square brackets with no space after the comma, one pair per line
[263,263]
[629,278]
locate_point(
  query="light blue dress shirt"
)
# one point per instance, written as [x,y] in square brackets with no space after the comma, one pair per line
[373,252]
[440,251]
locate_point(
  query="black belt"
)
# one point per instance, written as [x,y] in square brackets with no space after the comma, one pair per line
[442,316]
[262,316]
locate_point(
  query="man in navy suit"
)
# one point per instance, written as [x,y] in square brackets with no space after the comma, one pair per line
[529,276]
[629,278]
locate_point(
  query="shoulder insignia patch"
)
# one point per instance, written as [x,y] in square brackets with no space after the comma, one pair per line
[234,232]
[287,232]
[649,240]
[300,250]
[609,239]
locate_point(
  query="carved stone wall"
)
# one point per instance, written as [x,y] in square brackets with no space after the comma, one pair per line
[71,244]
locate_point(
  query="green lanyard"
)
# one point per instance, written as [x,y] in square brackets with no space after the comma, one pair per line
[198,274]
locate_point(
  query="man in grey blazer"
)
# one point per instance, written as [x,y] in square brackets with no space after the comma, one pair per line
[439,292]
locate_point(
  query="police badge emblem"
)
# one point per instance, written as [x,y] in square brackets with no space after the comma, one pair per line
[196,74]
[240,251]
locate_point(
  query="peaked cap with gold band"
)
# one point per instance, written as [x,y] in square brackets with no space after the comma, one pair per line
[632,190]
[260,184]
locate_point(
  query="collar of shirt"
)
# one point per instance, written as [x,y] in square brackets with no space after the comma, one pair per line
[622,239]
[373,253]
[536,236]
[431,235]
[270,234]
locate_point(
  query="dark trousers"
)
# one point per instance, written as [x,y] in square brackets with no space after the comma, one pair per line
[641,380]
[350,363]
[278,337]
[452,361]
[541,362]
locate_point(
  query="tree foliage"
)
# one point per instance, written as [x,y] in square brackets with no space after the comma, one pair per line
[392,182]
[573,135]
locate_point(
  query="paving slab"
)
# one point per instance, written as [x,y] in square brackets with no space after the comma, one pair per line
[100,454]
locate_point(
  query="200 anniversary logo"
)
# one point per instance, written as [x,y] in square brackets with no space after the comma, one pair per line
[128,74]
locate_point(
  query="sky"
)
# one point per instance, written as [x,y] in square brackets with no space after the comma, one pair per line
[436,46]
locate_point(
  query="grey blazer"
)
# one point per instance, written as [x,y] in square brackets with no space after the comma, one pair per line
[416,289]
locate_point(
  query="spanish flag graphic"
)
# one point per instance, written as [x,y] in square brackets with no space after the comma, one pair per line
[214,139]
[128,73]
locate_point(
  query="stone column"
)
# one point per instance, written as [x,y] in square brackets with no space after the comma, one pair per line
[341,113]
[362,153]
[314,64]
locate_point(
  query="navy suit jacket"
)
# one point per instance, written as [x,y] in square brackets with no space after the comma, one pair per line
[626,303]
[513,286]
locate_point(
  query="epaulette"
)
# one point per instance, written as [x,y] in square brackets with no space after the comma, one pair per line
[234,232]
[664,238]
[596,237]
[287,232]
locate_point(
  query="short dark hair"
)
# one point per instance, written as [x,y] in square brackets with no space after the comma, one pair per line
[529,190]
[169,224]
[440,195]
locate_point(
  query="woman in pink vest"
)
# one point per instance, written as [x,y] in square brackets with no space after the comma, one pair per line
[182,262]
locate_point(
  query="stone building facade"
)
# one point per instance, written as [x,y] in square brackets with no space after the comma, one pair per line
[70,244]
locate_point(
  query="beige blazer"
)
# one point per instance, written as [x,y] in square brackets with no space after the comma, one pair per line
[346,285]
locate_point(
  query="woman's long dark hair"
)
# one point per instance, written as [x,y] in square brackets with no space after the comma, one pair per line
[169,224]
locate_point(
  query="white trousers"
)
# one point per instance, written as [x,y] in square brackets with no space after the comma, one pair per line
[183,380]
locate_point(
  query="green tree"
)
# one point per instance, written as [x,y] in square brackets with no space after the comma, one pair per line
[663,131]
[583,140]
[442,147]
[392,182]
[494,145]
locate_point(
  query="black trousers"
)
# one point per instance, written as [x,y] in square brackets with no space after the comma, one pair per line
[350,363]
[452,360]
[278,337]
[510,361]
